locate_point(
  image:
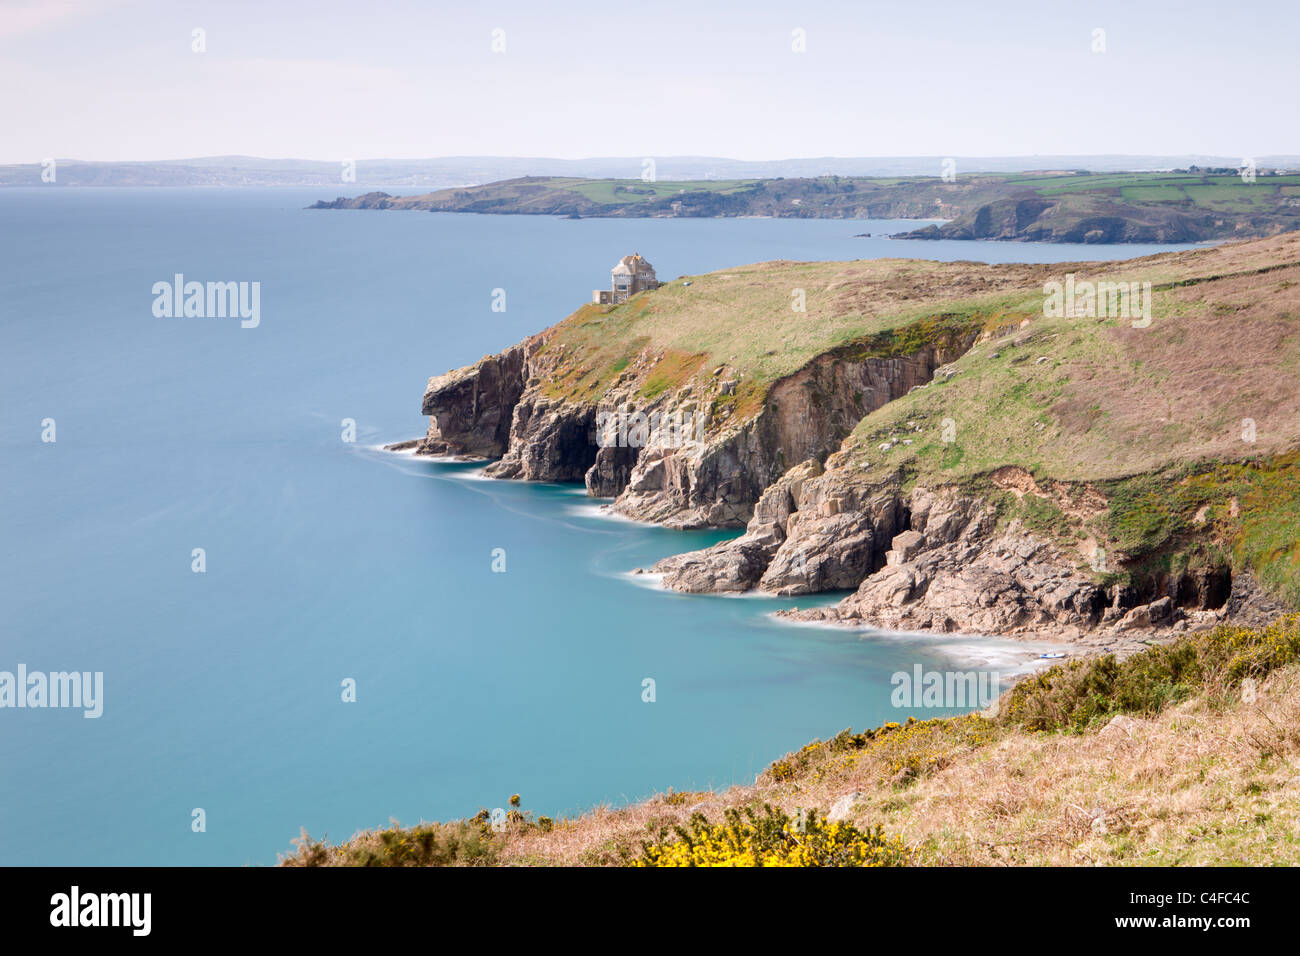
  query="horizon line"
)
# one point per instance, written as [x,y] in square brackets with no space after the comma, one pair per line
[657,157]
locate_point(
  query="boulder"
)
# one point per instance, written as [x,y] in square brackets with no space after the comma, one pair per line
[842,809]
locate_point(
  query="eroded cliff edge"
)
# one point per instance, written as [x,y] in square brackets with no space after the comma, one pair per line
[709,472]
[925,437]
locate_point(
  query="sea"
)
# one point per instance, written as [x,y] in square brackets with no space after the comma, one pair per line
[284,626]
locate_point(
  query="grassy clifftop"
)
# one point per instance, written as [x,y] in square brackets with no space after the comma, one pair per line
[1167,441]
[1221,342]
[1097,397]
[756,324]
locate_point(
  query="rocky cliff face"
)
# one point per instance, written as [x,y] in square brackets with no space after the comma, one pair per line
[954,569]
[933,561]
[1028,218]
[928,560]
[811,531]
[708,473]
[470,410]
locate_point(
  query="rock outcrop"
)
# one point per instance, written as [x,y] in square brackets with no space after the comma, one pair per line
[471,410]
[548,441]
[739,564]
[932,560]
[954,569]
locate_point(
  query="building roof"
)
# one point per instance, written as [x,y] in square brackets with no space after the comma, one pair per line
[631,264]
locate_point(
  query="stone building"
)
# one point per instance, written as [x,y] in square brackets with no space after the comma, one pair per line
[631,275]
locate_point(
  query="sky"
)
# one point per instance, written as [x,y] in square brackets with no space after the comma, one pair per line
[368,79]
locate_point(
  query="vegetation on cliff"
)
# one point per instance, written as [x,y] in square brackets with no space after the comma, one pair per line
[742,325]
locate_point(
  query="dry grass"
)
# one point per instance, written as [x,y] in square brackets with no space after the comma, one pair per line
[1096,399]
[1193,786]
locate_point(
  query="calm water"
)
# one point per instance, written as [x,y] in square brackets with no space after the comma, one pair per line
[328,560]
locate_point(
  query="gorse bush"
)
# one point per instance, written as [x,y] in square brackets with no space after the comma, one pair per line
[903,751]
[476,841]
[1083,693]
[771,838]
[461,843]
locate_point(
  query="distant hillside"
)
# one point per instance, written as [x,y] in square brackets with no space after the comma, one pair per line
[436,173]
[1047,207]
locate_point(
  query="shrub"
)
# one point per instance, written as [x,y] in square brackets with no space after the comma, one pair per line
[772,838]
[904,751]
[462,843]
[476,841]
[1081,694]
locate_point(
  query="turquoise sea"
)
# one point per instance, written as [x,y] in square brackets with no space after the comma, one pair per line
[328,560]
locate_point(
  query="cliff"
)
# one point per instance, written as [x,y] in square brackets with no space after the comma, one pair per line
[933,438]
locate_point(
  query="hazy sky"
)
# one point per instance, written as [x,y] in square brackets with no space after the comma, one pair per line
[117,79]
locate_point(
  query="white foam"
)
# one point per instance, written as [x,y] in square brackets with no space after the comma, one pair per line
[598,508]
[1008,655]
[646,579]
[473,474]
[403,453]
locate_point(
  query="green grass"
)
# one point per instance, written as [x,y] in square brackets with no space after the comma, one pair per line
[1256,193]
[1169,193]
[637,190]
[1089,183]
[742,320]
[1165,187]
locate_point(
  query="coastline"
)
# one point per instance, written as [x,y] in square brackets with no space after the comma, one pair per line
[963,647]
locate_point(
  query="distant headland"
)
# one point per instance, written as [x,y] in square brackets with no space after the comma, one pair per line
[1192,204]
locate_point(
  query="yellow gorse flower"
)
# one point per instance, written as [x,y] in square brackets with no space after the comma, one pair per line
[772,838]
